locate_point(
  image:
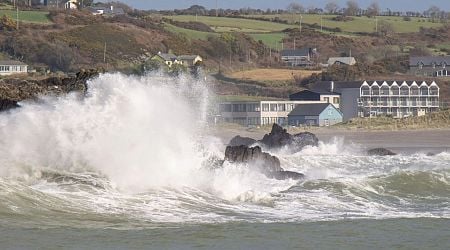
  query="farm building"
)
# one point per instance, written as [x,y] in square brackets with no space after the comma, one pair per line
[315,114]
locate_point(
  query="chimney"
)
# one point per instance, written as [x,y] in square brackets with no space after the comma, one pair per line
[332,87]
[112,8]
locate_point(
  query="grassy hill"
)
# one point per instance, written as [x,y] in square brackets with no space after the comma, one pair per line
[27,16]
[358,24]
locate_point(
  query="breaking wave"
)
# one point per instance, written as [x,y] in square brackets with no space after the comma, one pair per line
[134,153]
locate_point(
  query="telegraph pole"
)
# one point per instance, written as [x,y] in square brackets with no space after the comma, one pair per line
[17,18]
[217,8]
[104,54]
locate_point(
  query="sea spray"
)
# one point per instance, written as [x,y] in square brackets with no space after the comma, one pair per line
[140,132]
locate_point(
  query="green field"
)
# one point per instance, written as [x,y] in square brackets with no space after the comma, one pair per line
[27,16]
[272,40]
[191,34]
[358,24]
[226,24]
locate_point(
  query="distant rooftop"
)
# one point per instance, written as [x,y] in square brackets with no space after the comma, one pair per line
[313,109]
[11,62]
[345,60]
[429,60]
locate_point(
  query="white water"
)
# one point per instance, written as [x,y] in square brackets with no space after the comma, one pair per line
[136,149]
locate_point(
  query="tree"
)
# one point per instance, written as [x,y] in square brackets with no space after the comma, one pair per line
[332,7]
[295,8]
[352,8]
[7,23]
[385,28]
[373,9]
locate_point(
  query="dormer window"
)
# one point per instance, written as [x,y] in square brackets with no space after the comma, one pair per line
[444,65]
[420,65]
[434,65]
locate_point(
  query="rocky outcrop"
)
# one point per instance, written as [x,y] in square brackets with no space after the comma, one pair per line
[278,138]
[14,90]
[264,162]
[239,140]
[380,152]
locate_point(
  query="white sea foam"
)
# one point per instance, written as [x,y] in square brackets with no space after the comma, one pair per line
[134,150]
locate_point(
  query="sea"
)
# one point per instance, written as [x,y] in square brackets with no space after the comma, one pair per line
[131,165]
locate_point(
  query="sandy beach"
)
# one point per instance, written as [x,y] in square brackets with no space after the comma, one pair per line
[402,141]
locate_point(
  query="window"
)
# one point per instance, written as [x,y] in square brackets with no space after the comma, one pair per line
[336,100]
[330,111]
[265,107]
[327,99]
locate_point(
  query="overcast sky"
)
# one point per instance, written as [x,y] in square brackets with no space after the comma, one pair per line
[416,5]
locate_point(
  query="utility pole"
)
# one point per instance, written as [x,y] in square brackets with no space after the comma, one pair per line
[321,22]
[376,24]
[17,18]
[301,19]
[294,43]
[104,54]
[217,8]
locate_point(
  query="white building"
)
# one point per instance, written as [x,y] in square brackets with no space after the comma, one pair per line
[12,67]
[398,99]
[259,113]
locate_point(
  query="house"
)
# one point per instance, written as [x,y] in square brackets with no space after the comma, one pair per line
[341,61]
[166,58]
[435,66]
[317,95]
[12,67]
[298,57]
[315,114]
[258,113]
[390,98]
[190,60]
[111,11]
[66,4]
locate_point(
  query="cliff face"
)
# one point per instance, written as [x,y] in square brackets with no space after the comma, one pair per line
[13,91]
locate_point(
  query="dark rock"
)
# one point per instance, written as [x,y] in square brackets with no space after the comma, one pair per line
[14,90]
[279,137]
[380,152]
[283,175]
[267,164]
[304,139]
[239,140]
[431,154]
[8,104]
[253,156]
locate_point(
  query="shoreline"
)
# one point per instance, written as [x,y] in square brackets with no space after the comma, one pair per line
[430,140]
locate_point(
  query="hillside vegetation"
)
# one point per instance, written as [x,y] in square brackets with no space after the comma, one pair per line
[27,16]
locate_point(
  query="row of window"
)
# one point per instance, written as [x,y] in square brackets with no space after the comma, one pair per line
[336,100]
[400,91]
[254,107]
[13,68]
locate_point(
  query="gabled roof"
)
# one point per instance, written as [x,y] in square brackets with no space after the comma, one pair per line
[344,60]
[429,60]
[187,57]
[310,95]
[11,62]
[296,52]
[167,56]
[313,109]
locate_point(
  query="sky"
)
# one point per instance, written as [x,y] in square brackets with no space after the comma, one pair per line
[402,5]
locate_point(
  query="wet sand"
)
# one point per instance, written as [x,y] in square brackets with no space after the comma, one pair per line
[402,141]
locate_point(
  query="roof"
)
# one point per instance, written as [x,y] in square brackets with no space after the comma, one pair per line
[345,60]
[11,62]
[338,86]
[187,57]
[313,109]
[296,52]
[310,95]
[429,60]
[167,56]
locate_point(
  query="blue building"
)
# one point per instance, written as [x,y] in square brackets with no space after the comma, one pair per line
[316,114]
